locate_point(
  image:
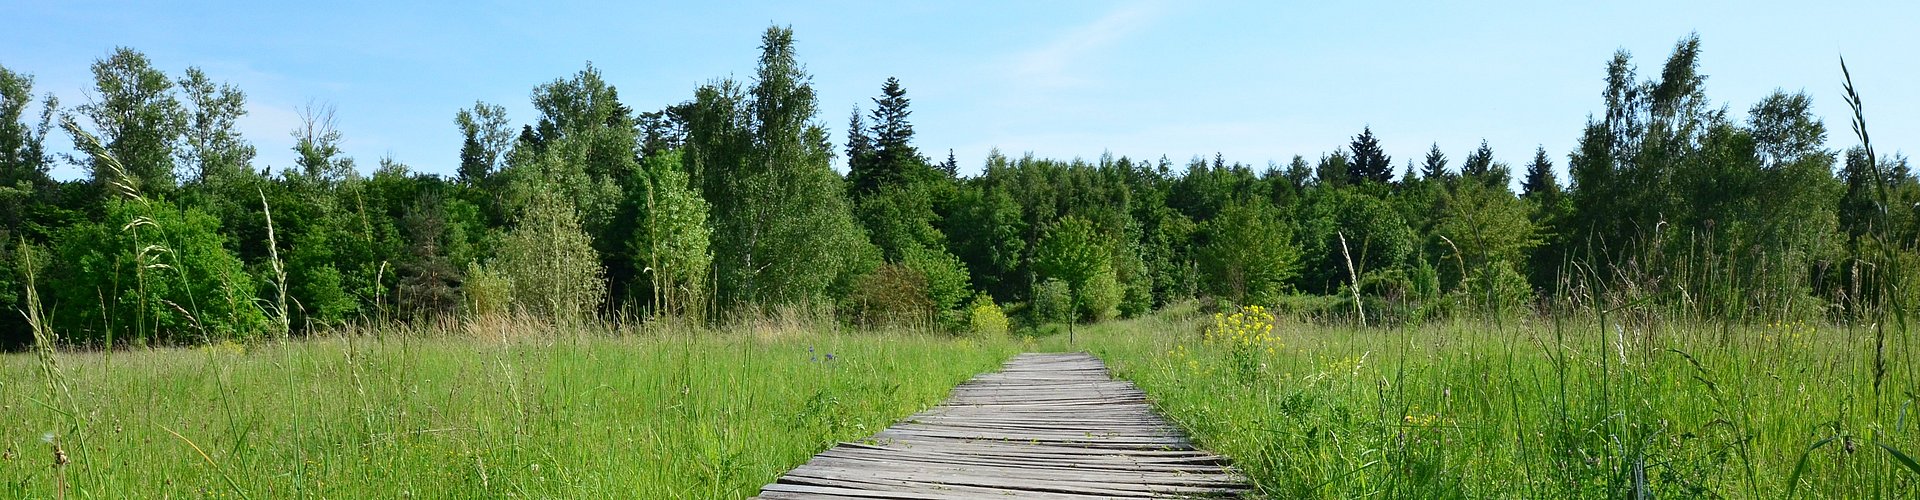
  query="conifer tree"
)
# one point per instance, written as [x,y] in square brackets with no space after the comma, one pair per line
[1435,167]
[1369,162]
[889,157]
[1540,179]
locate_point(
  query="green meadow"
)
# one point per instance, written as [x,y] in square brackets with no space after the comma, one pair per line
[508,412]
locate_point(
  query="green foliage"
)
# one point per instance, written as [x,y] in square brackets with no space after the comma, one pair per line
[900,218]
[486,291]
[985,228]
[729,204]
[1739,216]
[138,118]
[317,148]
[1052,302]
[1480,167]
[892,295]
[1073,252]
[1332,170]
[1434,167]
[586,144]
[551,263]
[947,287]
[213,148]
[985,319]
[1377,237]
[26,191]
[1099,297]
[1370,163]
[883,154]
[1250,255]
[783,233]
[426,287]
[486,141]
[1479,227]
[160,275]
[670,244]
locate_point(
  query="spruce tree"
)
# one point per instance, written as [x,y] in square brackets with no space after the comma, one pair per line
[890,159]
[1332,170]
[1436,165]
[859,152]
[1540,179]
[951,167]
[1479,163]
[1481,168]
[1369,162]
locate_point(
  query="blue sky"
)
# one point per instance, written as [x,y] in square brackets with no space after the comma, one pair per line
[1255,81]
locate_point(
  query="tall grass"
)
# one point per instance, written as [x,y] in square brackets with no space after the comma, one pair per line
[1580,406]
[485,408]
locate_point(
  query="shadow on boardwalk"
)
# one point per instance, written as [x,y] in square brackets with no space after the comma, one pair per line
[1045,426]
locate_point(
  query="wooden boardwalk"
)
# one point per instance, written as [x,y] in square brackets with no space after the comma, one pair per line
[1045,426]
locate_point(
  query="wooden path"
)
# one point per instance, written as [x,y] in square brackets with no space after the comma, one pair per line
[1045,426]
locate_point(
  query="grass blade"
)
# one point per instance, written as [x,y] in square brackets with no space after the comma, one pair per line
[1800,467]
[1901,457]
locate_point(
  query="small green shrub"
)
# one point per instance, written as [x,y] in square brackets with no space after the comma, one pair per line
[1100,297]
[551,261]
[893,295]
[985,317]
[487,290]
[1052,301]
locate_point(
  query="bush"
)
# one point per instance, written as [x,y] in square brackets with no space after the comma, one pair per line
[551,261]
[986,319]
[892,295]
[486,291]
[1052,301]
[947,285]
[164,274]
[1100,297]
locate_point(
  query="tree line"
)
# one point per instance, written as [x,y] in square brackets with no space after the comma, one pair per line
[727,206]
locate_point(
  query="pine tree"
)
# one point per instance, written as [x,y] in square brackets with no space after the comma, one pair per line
[860,162]
[951,167]
[891,159]
[1369,162]
[1540,179]
[1479,163]
[1436,166]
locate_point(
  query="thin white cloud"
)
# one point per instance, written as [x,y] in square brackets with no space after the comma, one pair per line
[1053,65]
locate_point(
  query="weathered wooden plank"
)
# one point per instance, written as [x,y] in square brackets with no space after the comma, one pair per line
[1045,426]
